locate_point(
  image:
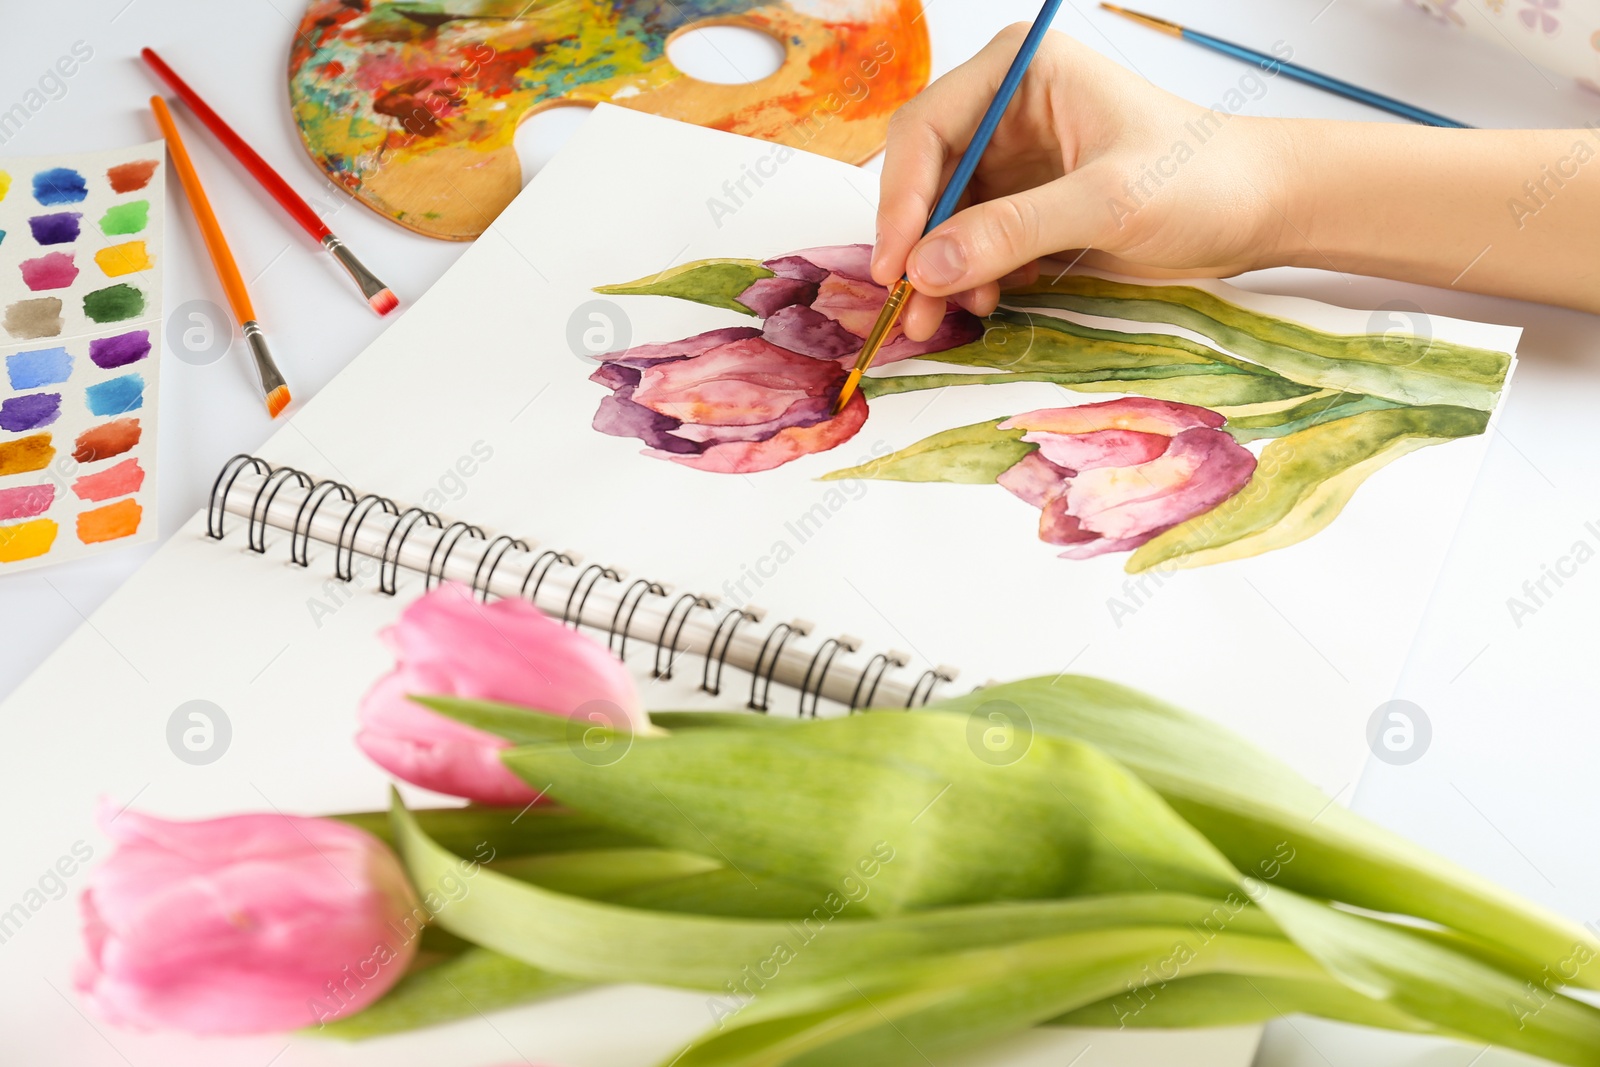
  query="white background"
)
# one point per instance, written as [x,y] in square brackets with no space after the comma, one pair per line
[1505,785]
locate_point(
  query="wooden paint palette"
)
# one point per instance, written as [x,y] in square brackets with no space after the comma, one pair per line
[412,107]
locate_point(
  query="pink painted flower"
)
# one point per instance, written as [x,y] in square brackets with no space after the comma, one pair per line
[446,643]
[822,302]
[1108,477]
[728,401]
[247,924]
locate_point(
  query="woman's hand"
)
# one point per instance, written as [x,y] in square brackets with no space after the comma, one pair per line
[1089,156]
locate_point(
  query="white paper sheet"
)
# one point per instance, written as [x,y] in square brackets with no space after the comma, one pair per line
[476,404]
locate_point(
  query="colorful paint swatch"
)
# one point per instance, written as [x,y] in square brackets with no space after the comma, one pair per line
[27,540]
[29,454]
[131,177]
[80,383]
[119,350]
[30,411]
[114,303]
[27,319]
[131,217]
[117,396]
[54,270]
[126,258]
[42,366]
[26,501]
[100,442]
[110,522]
[59,185]
[58,229]
[126,477]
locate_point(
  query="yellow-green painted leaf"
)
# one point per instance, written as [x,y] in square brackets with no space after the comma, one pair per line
[1302,482]
[968,455]
[1304,415]
[717,282]
[1406,370]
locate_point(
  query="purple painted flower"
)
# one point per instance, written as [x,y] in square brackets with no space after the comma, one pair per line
[1108,477]
[728,401]
[822,302]
[1539,15]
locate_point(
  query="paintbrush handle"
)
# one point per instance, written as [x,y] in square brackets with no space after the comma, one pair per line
[259,169]
[973,153]
[210,229]
[1328,83]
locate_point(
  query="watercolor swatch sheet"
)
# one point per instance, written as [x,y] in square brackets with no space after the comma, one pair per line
[80,320]
[1237,502]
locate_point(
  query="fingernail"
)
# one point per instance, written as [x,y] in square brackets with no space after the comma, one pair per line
[941,261]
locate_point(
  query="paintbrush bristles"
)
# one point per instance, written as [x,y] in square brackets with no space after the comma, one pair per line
[875,340]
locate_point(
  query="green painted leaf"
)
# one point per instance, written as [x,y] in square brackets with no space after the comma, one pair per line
[1302,482]
[966,455]
[890,384]
[1206,390]
[471,984]
[1405,370]
[1023,342]
[717,282]
[1302,416]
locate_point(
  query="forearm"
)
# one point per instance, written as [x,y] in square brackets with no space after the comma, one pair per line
[1505,212]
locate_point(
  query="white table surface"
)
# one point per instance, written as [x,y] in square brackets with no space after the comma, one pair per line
[1506,785]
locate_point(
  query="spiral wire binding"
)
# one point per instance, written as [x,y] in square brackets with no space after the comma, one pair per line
[541,567]
[453,535]
[231,470]
[883,663]
[761,677]
[712,682]
[497,550]
[667,642]
[586,584]
[256,531]
[314,500]
[632,597]
[689,602]
[389,562]
[824,656]
[923,689]
[345,548]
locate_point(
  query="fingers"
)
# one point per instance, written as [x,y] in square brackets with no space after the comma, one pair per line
[923,137]
[991,240]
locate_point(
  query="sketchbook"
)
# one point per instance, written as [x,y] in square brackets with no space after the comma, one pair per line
[615,406]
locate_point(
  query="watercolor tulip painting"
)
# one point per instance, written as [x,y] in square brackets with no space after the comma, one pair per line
[1251,440]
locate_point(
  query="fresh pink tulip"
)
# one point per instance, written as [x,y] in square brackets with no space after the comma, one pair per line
[1108,477]
[447,643]
[242,925]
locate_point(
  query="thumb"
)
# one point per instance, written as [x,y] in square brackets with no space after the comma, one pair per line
[990,240]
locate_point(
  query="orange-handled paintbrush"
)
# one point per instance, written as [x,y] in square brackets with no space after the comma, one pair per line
[272,383]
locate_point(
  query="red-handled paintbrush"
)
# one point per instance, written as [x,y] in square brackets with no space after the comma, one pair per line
[378,295]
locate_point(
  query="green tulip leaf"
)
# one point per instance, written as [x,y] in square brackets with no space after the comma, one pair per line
[1406,370]
[966,455]
[473,983]
[1213,1000]
[1302,482]
[715,282]
[1274,825]
[497,833]
[1313,411]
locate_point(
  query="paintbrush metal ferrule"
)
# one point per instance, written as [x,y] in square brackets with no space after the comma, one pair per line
[371,287]
[1158,24]
[266,369]
[875,339]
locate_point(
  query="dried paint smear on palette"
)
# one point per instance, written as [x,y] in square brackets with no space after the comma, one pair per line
[80,345]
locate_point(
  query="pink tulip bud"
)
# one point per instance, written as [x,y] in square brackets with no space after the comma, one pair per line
[446,643]
[240,925]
